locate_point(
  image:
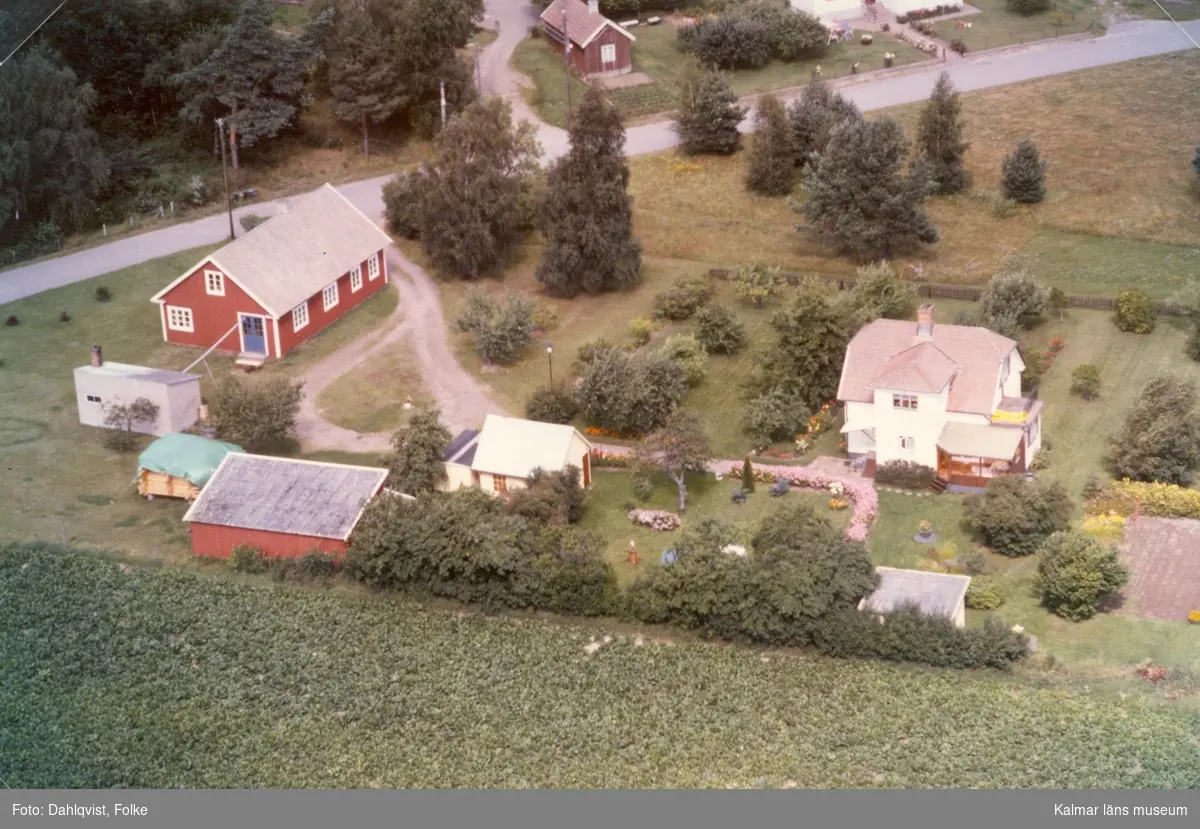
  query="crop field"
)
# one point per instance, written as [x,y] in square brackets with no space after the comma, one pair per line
[119,676]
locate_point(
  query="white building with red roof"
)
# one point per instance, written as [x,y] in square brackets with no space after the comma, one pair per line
[944,396]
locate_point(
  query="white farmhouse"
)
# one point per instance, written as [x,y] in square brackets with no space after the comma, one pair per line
[946,396]
[504,454]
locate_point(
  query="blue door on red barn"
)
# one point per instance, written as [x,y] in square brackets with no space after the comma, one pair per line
[254,336]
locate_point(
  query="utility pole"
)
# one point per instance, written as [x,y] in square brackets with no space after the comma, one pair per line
[567,61]
[225,171]
[443,103]
[478,71]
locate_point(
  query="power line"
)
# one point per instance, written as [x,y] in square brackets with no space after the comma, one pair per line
[1177,23]
[35,30]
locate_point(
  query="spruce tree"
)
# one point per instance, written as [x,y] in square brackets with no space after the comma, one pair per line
[770,163]
[814,115]
[940,138]
[587,215]
[747,476]
[1022,174]
[708,116]
[860,201]
[470,193]
[364,76]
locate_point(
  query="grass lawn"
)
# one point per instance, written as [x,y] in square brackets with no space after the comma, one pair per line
[656,54]
[1109,643]
[371,397]
[59,482]
[150,678]
[1134,181]
[996,26]
[606,512]
[1178,9]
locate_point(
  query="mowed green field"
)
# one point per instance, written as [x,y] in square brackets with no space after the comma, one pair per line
[137,677]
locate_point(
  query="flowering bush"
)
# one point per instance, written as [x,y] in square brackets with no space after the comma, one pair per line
[600,431]
[610,460]
[838,503]
[861,495]
[1160,500]
[836,489]
[1056,345]
[656,519]
[925,14]
[1109,528]
[1194,617]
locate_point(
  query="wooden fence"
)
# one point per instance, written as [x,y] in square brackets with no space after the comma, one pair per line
[968,293]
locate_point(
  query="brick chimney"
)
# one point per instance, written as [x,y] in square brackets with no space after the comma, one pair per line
[97,356]
[925,321]
[594,6]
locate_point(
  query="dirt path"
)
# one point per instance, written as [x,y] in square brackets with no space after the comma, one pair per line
[417,323]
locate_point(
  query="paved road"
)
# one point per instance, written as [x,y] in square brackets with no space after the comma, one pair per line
[1123,42]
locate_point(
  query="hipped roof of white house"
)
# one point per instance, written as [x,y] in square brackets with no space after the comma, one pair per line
[886,354]
[295,255]
[514,447]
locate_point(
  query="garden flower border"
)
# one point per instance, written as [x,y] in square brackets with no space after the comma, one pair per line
[862,496]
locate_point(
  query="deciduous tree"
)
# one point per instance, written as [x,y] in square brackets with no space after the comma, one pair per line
[364,74]
[770,163]
[256,416]
[415,462]
[1013,515]
[1160,440]
[501,328]
[587,216]
[1076,574]
[812,333]
[680,446]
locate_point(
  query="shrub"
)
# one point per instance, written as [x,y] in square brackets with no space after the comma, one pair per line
[685,351]
[773,416]
[415,463]
[255,417]
[641,481]
[640,330]
[251,221]
[1160,500]
[630,395]
[878,292]
[1085,381]
[103,294]
[64,317]
[552,405]
[501,329]
[1013,514]
[983,595]
[1014,296]
[552,497]
[1076,574]
[12,319]
[1193,343]
[1160,440]
[1134,312]
[248,559]
[756,282]
[1027,8]
[402,204]
[905,474]
[958,45]
[719,331]
[590,349]
[314,565]
[545,317]
[1022,174]
[685,296]
[973,563]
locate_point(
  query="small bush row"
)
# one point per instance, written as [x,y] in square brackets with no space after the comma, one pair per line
[905,474]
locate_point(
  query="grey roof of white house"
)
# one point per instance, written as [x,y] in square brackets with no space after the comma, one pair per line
[937,594]
[462,449]
[162,376]
[284,495]
[295,255]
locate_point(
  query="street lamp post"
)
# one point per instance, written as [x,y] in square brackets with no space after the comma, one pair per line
[550,363]
[225,171]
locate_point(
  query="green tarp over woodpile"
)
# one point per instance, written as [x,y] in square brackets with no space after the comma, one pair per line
[190,457]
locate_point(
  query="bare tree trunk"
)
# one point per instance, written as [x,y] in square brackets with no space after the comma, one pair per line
[681,482]
[366,142]
[233,146]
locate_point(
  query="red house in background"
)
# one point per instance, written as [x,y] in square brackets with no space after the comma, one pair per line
[265,293]
[595,45]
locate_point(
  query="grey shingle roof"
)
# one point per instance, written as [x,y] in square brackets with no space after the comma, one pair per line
[284,495]
[937,594]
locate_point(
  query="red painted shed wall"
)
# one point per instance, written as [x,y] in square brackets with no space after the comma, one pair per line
[318,317]
[212,316]
[587,61]
[214,541]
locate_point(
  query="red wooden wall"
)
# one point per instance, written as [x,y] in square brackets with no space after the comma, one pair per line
[212,316]
[587,61]
[213,541]
[318,317]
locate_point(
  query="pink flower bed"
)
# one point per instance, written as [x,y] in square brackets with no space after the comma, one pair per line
[861,495]
[656,519]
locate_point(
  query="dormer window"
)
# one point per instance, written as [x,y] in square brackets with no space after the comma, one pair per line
[904,401]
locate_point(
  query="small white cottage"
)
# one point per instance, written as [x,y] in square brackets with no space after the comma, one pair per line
[505,452]
[100,385]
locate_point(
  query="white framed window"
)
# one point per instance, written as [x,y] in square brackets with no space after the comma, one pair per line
[329,296]
[907,444]
[608,53]
[91,398]
[179,318]
[356,279]
[214,283]
[373,268]
[300,316]
[904,401]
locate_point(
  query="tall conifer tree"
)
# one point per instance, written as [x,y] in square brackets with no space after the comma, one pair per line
[940,138]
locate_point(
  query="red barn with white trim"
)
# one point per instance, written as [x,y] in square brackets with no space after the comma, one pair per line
[279,284]
[597,46]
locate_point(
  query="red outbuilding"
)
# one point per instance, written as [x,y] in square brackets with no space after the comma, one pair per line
[280,283]
[595,46]
[284,507]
